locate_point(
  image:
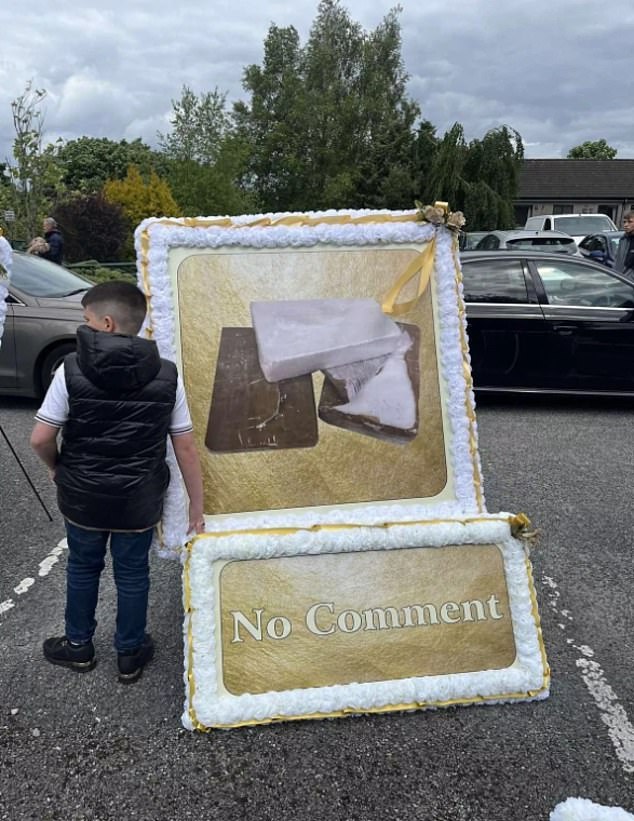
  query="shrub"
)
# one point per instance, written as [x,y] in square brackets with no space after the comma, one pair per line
[93,228]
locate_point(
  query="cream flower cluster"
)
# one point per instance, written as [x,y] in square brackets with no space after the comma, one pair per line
[438,215]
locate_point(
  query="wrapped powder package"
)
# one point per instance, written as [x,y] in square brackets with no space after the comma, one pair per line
[383,405]
[296,337]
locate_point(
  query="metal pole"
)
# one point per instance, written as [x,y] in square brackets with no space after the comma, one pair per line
[28,478]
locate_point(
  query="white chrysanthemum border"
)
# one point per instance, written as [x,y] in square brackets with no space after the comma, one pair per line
[155,237]
[206,706]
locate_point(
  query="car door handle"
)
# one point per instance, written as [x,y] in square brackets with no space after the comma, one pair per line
[564,330]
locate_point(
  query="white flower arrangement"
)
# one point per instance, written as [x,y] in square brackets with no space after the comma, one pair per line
[208,705]
[461,520]
[155,237]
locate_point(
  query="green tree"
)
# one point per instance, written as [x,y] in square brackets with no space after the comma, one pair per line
[205,158]
[480,178]
[332,84]
[592,150]
[274,126]
[34,177]
[88,162]
[447,181]
[492,170]
[330,124]
[199,125]
[388,118]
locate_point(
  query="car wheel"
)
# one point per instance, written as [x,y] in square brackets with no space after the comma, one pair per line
[51,363]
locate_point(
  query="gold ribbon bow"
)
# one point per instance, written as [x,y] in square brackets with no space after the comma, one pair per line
[422,265]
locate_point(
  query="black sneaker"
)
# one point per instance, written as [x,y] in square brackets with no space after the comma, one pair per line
[78,657]
[132,662]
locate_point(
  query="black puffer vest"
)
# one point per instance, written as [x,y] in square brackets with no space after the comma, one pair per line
[112,473]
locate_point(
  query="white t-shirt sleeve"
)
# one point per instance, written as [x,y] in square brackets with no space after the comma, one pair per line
[181,421]
[54,408]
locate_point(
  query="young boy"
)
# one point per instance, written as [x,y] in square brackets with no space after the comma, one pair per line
[115,402]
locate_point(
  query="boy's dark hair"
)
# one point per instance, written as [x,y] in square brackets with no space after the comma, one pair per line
[123,301]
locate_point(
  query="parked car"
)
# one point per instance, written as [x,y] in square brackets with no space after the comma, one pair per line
[577,226]
[553,241]
[469,239]
[43,312]
[601,247]
[548,323]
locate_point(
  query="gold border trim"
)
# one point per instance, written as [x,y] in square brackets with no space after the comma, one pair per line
[390,708]
[300,220]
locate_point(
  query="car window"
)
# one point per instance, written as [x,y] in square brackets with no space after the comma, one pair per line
[544,243]
[488,243]
[40,278]
[590,224]
[614,242]
[472,239]
[499,281]
[568,283]
[591,244]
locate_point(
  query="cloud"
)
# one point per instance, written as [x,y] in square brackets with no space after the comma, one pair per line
[553,71]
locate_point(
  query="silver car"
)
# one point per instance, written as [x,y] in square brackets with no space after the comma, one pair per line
[43,312]
[551,241]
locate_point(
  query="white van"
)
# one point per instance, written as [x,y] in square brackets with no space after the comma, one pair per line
[577,226]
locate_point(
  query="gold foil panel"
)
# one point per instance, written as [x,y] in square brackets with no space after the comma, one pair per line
[314,621]
[215,290]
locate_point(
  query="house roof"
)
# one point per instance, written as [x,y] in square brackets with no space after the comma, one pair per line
[577,180]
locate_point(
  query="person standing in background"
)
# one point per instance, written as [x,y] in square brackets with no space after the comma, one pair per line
[55,240]
[624,260]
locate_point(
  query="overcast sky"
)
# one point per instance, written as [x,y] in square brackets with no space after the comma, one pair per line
[558,71]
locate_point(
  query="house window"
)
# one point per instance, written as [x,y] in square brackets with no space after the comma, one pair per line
[563,209]
[606,209]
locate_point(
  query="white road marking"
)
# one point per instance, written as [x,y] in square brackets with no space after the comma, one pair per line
[51,559]
[582,809]
[24,585]
[44,568]
[613,715]
[5,606]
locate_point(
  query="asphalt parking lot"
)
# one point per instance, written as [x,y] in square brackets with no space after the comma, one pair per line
[85,747]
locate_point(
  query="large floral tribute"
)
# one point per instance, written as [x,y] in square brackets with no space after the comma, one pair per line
[349,563]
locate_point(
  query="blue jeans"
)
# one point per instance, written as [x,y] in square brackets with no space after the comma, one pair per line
[86,560]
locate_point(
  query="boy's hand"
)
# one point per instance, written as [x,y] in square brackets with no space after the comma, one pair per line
[196,522]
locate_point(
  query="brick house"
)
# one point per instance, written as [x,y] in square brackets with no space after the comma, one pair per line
[575,186]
